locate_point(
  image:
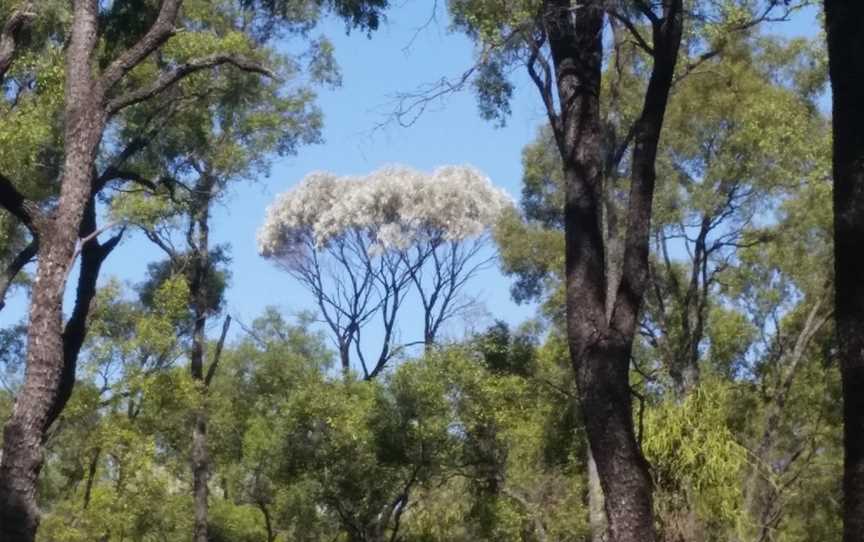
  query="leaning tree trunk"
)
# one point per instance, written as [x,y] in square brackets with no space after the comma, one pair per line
[37,401]
[845,22]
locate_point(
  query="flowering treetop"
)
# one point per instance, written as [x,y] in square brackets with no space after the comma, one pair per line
[395,206]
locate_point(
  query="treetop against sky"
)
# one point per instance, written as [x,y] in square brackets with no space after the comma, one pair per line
[412,49]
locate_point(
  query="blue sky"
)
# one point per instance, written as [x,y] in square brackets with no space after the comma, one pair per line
[397,58]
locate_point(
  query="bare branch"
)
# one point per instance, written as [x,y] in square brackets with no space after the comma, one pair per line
[544,83]
[154,238]
[82,243]
[634,31]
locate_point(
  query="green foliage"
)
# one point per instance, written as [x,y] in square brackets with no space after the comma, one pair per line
[480,440]
[695,456]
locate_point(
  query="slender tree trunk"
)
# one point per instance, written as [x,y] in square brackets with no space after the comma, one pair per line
[198,291]
[845,26]
[268,522]
[37,401]
[345,357]
[91,477]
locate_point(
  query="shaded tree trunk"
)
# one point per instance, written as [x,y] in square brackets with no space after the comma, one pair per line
[600,340]
[844,23]
[268,522]
[91,477]
[52,351]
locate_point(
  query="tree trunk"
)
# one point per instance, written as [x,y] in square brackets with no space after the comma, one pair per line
[601,361]
[601,341]
[91,477]
[268,523]
[596,515]
[37,401]
[345,356]
[198,292]
[844,22]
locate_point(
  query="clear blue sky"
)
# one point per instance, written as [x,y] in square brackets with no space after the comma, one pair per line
[451,133]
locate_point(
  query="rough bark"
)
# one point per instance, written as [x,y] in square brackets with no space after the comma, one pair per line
[844,20]
[601,341]
[39,395]
[601,359]
[51,351]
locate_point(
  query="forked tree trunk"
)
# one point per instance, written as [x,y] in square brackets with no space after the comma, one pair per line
[845,26]
[601,340]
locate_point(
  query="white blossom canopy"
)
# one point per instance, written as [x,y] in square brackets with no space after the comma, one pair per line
[397,206]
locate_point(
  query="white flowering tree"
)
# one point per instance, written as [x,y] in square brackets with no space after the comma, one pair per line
[362,245]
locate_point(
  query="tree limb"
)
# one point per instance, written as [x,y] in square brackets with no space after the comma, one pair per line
[168,78]
[93,255]
[161,30]
[211,371]
[20,207]
[9,35]
[640,40]
[23,258]
[648,11]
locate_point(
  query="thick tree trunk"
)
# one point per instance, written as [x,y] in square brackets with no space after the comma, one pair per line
[845,22]
[37,402]
[600,358]
[601,340]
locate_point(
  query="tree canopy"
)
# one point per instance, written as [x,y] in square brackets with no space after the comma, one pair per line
[684,238]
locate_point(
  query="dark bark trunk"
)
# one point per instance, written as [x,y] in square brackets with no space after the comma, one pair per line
[345,357]
[844,22]
[601,360]
[200,297]
[91,477]
[40,395]
[600,340]
[268,522]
